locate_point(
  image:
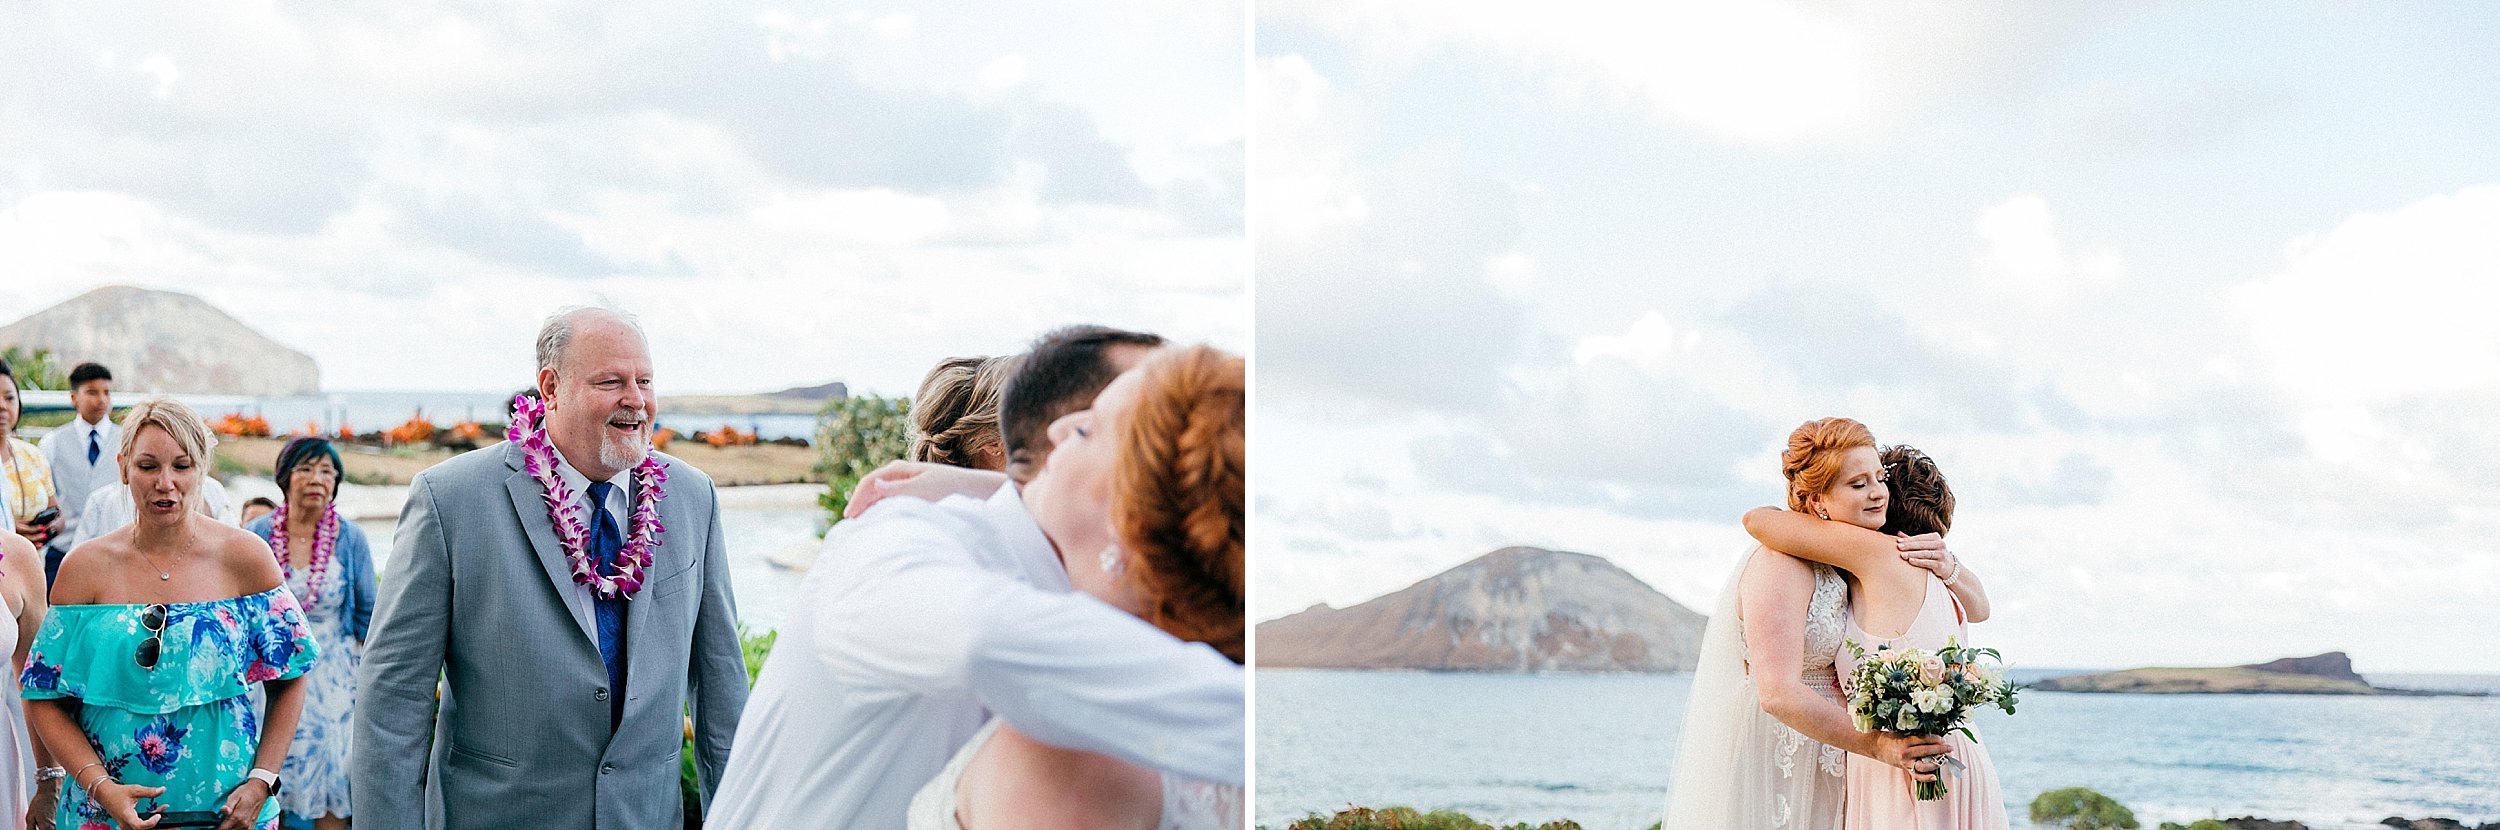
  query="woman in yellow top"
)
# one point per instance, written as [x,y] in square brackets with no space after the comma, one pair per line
[25,479]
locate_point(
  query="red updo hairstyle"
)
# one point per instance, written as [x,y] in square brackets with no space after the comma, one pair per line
[1177,493]
[1814,456]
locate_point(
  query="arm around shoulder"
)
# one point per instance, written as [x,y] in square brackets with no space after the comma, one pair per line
[1839,544]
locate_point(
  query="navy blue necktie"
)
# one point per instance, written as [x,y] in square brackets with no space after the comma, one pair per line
[606,543]
[93,449]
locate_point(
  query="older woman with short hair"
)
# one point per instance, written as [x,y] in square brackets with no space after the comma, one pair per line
[329,567]
[141,677]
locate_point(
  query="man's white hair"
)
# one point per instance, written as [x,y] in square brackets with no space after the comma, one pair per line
[556,335]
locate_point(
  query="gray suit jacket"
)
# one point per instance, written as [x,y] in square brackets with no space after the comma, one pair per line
[477,592]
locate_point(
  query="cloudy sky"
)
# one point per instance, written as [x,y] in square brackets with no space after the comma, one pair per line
[2194,303]
[785,194]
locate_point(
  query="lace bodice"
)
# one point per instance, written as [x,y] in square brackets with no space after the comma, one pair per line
[1827,619]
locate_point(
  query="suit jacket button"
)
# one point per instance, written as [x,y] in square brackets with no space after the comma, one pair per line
[606,768]
[602,694]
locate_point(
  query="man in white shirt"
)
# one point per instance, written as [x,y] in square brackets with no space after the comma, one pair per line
[923,619]
[82,454]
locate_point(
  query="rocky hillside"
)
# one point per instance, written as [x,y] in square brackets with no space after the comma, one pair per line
[1512,610]
[162,341]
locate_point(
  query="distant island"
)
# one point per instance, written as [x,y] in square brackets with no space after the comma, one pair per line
[1517,609]
[2325,674]
[797,400]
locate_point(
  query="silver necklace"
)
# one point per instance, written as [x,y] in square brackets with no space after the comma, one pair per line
[164,574]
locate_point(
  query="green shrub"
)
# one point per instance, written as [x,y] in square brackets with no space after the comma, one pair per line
[2078,808]
[35,368]
[1408,818]
[755,647]
[854,436]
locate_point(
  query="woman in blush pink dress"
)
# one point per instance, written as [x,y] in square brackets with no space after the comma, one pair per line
[1843,524]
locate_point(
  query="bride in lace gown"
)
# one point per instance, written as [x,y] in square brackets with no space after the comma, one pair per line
[1160,454]
[1739,766]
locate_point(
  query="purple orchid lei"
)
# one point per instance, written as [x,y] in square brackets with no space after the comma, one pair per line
[538,458]
[325,540]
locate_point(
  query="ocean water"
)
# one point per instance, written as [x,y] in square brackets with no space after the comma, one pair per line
[1599,749]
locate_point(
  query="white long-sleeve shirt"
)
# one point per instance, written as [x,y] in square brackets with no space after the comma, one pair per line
[919,621]
[73,478]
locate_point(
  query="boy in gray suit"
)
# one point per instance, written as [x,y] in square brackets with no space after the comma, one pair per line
[572,593]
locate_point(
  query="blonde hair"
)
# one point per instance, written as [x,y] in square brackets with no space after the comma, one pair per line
[1177,493]
[1814,455]
[179,422]
[954,416]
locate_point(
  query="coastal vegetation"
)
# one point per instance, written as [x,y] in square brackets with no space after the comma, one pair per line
[35,368]
[853,436]
[2080,808]
[756,647]
[1409,818]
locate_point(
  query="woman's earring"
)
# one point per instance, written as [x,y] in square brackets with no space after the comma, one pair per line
[1110,560]
[1826,516]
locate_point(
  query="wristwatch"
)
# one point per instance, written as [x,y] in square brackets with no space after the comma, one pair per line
[265,777]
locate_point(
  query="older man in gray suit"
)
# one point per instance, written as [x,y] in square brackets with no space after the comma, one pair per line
[567,660]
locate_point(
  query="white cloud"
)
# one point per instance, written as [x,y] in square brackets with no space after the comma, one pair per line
[2022,253]
[2386,304]
[789,197]
[1007,72]
[1771,72]
[161,68]
[1303,126]
[895,26]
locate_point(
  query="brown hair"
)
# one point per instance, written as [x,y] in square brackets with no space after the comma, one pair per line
[1921,503]
[1814,453]
[1177,493]
[955,413]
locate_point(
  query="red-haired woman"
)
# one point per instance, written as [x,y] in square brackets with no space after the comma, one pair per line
[1143,498]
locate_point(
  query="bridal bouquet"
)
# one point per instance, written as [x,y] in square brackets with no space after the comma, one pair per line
[1916,692]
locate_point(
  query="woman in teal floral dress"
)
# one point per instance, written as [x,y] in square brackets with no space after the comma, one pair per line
[140,678]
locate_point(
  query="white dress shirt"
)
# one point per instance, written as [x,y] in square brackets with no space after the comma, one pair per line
[73,479]
[109,509]
[620,505]
[920,620]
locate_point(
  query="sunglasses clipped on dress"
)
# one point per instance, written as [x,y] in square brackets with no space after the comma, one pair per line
[152,618]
